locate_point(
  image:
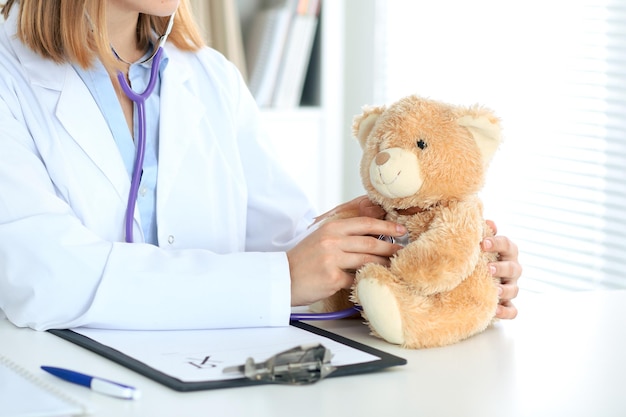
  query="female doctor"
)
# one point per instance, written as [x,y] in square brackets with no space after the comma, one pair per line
[218,235]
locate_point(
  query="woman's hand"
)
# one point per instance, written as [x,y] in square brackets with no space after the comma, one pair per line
[507,268]
[324,262]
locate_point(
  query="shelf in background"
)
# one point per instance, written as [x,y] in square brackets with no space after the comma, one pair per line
[308,140]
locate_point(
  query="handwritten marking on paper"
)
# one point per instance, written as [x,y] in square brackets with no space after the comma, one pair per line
[203,363]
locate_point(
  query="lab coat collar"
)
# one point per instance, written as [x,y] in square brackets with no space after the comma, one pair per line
[40,71]
[86,126]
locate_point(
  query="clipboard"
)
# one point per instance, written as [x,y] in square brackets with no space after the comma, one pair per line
[376,359]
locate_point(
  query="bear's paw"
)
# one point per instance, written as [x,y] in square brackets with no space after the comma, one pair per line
[381,309]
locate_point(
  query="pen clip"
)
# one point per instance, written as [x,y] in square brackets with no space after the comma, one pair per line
[300,365]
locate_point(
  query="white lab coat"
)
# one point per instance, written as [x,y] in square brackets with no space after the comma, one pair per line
[226,211]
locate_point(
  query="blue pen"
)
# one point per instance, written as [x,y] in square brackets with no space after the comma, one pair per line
[103,386]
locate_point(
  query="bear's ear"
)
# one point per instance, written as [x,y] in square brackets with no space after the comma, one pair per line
[485,128]
[363,123]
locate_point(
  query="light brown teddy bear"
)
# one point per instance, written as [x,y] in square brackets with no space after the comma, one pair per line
[424,162]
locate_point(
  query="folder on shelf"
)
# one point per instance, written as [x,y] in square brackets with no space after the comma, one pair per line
[296,54]
[264,49]
[221,27]
[192,360]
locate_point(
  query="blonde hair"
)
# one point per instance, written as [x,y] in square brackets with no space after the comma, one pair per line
[76,30]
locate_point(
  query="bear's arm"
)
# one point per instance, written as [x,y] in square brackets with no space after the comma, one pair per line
[446,252]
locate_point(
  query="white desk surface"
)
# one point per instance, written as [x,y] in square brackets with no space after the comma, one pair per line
[565,355]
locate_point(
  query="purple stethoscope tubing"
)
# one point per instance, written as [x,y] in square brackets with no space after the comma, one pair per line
[140,101]
[335,315]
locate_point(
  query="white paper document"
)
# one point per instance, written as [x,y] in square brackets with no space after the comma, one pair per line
[202,355]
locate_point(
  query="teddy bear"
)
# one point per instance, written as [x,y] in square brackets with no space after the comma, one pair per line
[424,161]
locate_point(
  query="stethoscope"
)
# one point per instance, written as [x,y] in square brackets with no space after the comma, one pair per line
[139,99]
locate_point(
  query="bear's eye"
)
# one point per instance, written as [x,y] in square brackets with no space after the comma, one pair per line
[421,144]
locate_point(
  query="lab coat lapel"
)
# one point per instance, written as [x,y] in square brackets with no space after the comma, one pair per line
[75,109]
[181,112]
[91,131]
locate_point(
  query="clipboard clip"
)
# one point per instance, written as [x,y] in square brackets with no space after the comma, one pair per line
[300,365]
